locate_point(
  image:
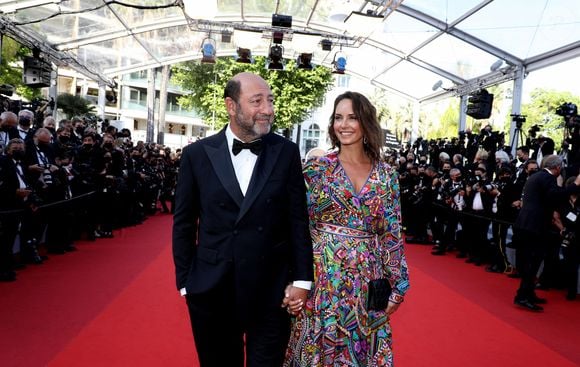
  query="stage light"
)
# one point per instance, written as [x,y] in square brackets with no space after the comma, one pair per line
[339,63]
[276,56]
[304,61]
[496,65]
[277,37]
[283,21]
[208,51]
[244,55]
[437,85]
[326,45]
[226,37]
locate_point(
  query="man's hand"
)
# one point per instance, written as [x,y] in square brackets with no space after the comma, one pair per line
[294,299]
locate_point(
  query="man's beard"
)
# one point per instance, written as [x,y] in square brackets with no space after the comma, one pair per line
[251,129]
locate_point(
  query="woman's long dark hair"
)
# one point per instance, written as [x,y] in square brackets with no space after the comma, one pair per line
[367,117]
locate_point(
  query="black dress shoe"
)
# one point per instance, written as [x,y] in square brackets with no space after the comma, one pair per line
[528,305]
[8,276]
[539,301]
[438,252]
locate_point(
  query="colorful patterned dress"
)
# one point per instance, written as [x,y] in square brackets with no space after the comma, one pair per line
[356,238]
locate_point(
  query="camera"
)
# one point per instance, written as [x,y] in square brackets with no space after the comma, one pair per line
[534,130]
[46,176]
[568,238]
[567,109]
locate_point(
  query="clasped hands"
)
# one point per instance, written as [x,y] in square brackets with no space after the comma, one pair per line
[294,299]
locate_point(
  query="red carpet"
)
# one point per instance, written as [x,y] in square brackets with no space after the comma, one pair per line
[114,303]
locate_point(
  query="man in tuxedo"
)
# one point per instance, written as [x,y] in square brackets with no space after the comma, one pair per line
[14,193]
[240,233]
[541,196]
[8,130]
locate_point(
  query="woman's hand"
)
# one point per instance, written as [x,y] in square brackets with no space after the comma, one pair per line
[392,307]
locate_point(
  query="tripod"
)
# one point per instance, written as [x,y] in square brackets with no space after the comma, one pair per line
[517,140]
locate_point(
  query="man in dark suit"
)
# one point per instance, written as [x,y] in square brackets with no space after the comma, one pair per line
[541,196]
[14,192]
[240,233]
[8,130]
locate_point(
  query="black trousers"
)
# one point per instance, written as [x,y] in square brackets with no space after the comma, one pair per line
[220,331]
[530,250]
[8,232]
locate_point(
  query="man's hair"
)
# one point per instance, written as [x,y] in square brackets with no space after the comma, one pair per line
[454,171]
[551,161]
[42,131]
[13,142]
[232,90]
[524,149]
[367,117]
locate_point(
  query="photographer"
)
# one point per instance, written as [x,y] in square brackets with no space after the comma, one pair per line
[567,221]
[480,194]
[14,193]
[8,130]
[452,194]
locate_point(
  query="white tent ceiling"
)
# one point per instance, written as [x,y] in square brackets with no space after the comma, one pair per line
[404,46]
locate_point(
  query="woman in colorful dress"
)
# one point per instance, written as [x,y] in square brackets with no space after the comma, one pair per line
[353,203]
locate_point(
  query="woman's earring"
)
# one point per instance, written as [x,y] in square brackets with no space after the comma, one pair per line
[365,142]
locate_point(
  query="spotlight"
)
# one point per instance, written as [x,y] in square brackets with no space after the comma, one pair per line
[226,37]
[244,55]
[496,65]
[208,51]
[277,37]
[279,20]
[275,56]
[304,61]
[326,45]
[437,85]
[339,63]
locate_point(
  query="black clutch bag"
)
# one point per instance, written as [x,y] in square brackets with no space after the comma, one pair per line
[378,295]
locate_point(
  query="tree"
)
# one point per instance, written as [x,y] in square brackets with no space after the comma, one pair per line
[10,73]
[541,111]
[73,105]
[296,91]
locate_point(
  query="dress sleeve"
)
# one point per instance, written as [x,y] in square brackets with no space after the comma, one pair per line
[391,240]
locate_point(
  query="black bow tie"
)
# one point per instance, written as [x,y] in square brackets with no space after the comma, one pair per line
[254,147]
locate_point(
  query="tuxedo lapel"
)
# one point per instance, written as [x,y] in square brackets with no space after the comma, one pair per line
[264,166]
[221,162]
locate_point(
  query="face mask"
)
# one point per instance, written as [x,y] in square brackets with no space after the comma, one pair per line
[87,146]
[108,145]
[5,128]
[531,172]
[521,160]
[24,121]
[64,139]
[18,154]
[80,130]
[446,171]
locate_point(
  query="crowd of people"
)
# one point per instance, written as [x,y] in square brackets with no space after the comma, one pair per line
[60,182]
[465,195]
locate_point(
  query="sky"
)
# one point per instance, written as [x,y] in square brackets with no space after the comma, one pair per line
[562,77]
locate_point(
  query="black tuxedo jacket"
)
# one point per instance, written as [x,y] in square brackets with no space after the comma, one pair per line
[9,184]
[541,196]
[262,238]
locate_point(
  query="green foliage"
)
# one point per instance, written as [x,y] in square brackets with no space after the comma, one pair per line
[296,91]
[10,73]
[542,111]
[73,105]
